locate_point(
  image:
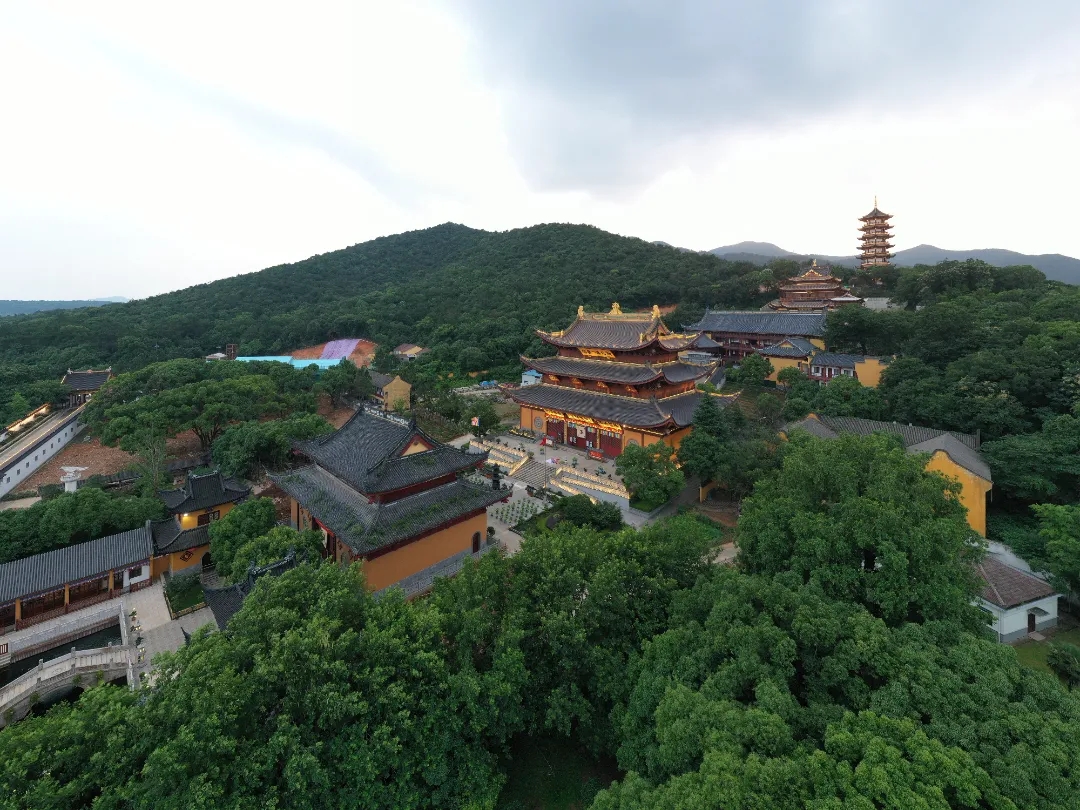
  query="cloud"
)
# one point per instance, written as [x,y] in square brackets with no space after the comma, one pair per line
[605,94]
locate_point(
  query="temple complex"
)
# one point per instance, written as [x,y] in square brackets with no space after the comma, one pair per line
[813,290]
[618,380]
[383,491]
[874,244]
[739,334]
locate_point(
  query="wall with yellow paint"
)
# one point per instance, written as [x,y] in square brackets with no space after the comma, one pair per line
[819,342]
[189,520]
[395,391]
[868,370]
[780,363]
[385,570]
[973,489]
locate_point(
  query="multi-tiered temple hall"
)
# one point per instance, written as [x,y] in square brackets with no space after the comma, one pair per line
[874,238]
[617,380]
[813,290]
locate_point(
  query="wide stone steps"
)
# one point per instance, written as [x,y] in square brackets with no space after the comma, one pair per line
[535,473]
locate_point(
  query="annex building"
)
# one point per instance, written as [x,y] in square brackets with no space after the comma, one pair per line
[813,290]
[739,334]
[618,379]
[954,455]
[383,491]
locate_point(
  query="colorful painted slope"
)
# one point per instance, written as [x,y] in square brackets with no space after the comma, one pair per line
[338,349]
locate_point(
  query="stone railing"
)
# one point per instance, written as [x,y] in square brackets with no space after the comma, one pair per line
[592,481]
[57,675]
[80,624]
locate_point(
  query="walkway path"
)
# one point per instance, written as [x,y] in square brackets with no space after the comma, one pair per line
[169,637]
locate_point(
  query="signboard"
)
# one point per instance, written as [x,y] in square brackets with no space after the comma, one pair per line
[607,354]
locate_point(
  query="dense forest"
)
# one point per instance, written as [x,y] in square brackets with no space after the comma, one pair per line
[803,677]
[474,296]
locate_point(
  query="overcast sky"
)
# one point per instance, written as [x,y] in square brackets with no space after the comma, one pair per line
[146,147]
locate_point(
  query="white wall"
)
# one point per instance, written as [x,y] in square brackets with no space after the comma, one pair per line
[1012,623]
[14,475]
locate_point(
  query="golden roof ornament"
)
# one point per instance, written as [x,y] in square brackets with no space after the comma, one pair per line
[581,311]
[656,310]
[615,310]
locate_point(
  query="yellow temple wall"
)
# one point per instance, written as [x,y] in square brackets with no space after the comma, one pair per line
[780,363]
[973,489]
[385,570]
[869,370]
[189,520]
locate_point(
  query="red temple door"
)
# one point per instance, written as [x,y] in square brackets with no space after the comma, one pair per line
[611,443]
[591,438]
[575,434]
[555,429]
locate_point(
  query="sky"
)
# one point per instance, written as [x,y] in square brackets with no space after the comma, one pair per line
[146,147]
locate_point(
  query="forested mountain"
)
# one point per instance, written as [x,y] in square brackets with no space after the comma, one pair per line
[13,307]
[1054,265]
[475,296]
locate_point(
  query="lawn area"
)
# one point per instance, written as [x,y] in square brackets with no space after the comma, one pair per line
[184,592]
[1033,653]
[552,774]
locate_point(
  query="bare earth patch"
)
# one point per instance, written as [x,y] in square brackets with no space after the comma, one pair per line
[98,459]
[361,356]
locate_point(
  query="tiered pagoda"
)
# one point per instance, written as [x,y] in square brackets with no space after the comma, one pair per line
[874,244]
[813,290]
[383,491]
[616,381]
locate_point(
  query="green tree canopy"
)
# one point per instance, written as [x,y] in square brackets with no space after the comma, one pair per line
[862,519]
[72,517]
[243,524]
[650,473]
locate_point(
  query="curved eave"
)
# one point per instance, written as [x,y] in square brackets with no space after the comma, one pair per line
[532,363]
[564,343]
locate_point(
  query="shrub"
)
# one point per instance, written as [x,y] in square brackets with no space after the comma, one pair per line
[1064,659]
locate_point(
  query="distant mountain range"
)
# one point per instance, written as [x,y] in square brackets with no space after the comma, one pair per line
[1054,265]
[10,307]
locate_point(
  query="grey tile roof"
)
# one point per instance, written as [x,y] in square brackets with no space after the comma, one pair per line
[226,602]
[762,323]
[960,447]
[169,537]
[365,453]
[365,526]
[798,347]
[610,407]
[202,492]
[835,360]
[380,380]
[1008,587]
[615,372]
[51,570]
[626,331]
[626,373]
[959,452]
[875,214]
[86,380]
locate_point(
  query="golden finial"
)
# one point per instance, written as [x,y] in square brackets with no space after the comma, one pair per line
[581,311]
[875,201]
[813,263]
[615,310]
[656,310]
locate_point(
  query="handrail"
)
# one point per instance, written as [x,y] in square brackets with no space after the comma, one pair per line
[48,673]
[78,621]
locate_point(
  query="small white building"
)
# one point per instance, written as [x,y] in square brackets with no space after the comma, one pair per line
[531,377]
[1018,603]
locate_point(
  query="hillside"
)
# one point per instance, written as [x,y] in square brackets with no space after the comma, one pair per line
[13,307]
[475,296]
[1054,265]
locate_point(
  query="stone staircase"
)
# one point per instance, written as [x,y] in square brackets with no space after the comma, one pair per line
[580,479]
[510,459]
[535,473]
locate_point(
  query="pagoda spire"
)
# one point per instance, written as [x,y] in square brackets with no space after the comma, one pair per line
[874,239]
